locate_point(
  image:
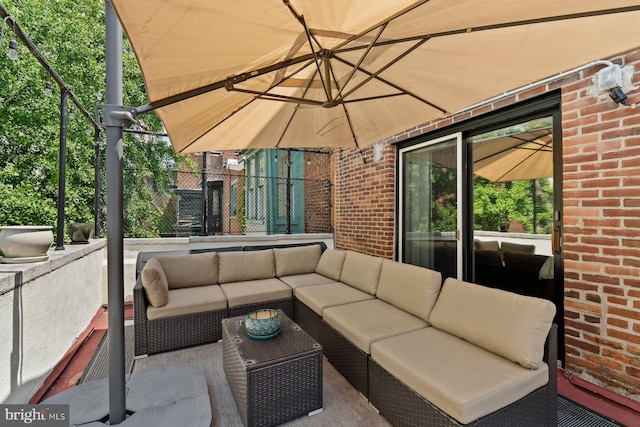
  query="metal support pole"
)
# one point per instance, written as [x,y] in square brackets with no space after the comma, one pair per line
[97,206]
[115,241]
[62,168]
[203,199]
[288,191]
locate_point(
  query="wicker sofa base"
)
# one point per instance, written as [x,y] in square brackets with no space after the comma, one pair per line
[349,360]
[171,333]
[184,331]
[309,321]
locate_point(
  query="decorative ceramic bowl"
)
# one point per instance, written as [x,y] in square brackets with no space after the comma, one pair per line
[263,323]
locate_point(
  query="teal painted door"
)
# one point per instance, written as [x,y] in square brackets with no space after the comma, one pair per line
[285,210]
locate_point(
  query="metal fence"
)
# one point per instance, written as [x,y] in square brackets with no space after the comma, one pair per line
[196,204]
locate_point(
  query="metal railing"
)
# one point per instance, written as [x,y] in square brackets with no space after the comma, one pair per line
[200,204]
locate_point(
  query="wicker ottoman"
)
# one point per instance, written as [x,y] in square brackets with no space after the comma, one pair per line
[274,380]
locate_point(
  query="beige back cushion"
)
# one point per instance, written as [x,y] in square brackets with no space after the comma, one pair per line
[330,263]
[511,325]
[517,247]
[361,271]
[247,265]
[297,260]
[185,271]
[155,283]
[411,288]
[482,245]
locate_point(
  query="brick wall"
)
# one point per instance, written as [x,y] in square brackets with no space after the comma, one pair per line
[601,172]
[365,200]
[318,195]
[601,221]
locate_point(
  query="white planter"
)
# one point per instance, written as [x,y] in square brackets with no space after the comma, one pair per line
[25,243]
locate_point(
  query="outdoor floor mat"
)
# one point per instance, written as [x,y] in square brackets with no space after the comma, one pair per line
[98,367]
[571,414]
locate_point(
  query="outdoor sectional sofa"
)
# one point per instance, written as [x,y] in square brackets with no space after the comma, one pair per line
[422,352]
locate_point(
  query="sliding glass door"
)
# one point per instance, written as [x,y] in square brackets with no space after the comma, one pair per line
[430,185]
[484,203]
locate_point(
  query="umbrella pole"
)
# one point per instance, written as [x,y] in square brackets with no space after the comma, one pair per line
[115,244]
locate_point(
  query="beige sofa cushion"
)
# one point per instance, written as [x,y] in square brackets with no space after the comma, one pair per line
[484,245]
[308,279]
[458,377]
[243,266]
[411,288]
[185,271]
[517,247]
[361,271]
[319,297]
[511,325]
[330,263]
[155,283]
[255,291]
[296,260]
[365,322]
[190,300]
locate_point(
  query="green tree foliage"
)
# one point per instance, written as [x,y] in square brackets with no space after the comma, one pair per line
[503,202]
[431,201]
[71,36]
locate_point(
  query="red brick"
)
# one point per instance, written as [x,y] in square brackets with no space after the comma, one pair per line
[582,345]
[626,313]
[630,163]
[621,271]
[610,203]
[621,132]
[617,300]
[601,183]
[622,154]
[601,222]
[625,336]
[620,323]
[601,279]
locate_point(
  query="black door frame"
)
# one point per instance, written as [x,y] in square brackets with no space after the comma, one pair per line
[214,222]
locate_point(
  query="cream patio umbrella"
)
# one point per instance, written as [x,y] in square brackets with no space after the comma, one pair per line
[348,73]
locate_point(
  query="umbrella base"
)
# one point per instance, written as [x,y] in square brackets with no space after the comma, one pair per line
[170,396]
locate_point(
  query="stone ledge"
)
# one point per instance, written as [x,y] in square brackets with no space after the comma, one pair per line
[15,275]
[227,238]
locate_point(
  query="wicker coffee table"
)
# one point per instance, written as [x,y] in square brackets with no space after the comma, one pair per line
[274,380]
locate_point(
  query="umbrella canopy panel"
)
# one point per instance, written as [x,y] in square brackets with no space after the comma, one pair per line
[521,156]
[349,73]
